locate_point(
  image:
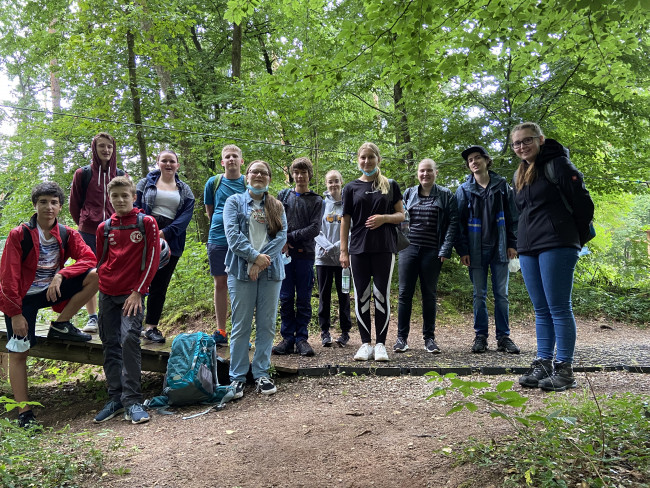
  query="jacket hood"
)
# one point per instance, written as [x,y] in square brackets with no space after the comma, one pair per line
[551,149]
[495,181]
[329,199]
[96,162]
[154,175]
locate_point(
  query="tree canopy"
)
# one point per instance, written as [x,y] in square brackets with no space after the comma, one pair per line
[287,78]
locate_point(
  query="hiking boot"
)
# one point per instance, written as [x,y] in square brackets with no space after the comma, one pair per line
[326,339]
[480,343]
[136,414]
[400,345]
[110,410]
[283,347]
[91,326]
[431,346]
[561,379]
[27,420]
[364,352]
[239,389]
[67,332]
[343,339]
[380,352]
[265,385]
[220,338]
[304,349]
[505,344]
[154,335]
[539,369]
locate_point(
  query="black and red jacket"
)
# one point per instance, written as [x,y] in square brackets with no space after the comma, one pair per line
[17,275]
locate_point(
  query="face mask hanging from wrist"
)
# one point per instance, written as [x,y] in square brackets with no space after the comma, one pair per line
[16,344]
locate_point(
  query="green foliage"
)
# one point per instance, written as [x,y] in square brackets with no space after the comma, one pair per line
[571,441]
[47,458]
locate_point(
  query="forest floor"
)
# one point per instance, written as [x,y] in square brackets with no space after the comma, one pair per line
[334,430]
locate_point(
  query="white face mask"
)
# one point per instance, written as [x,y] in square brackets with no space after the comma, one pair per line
[18,345]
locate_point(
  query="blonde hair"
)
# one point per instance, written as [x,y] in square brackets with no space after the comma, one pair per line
[428,160]
[123,181]
[230,147]
[333,172]
[381,183]
[272,206]
[526,172]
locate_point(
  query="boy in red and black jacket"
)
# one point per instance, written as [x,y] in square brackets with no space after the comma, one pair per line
[125,273]
[33,276]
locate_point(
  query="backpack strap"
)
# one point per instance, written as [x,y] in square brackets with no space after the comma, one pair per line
[549,173]
[107,229]
[26,243]
[216,184]
[144,239]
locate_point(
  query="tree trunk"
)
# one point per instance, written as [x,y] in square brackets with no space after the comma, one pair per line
[135,98]
[236,51]
[402,134]
[55,93]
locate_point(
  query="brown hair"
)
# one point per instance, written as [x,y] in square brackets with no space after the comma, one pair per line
[302,164]
[381,182]
[124,181]
[272,206]
[526,172]
[166,151]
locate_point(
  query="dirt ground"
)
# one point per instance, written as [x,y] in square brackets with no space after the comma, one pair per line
[337,430]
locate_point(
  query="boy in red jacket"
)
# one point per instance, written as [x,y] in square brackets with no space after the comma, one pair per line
[125,271]
[33,276]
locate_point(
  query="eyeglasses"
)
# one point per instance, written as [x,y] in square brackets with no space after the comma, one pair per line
[526,141]
[259,172]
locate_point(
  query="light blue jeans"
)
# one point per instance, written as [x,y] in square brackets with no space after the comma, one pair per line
[479,277]
[248,298]
[549,281]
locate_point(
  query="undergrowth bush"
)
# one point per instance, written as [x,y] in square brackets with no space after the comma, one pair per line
[47,458]
[579,440]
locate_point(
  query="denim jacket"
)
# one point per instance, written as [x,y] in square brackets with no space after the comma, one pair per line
[447,218]
[236,215]
[500,202]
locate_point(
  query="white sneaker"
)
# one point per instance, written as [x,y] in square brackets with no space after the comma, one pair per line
[364,353]
[91,325]
[380,352]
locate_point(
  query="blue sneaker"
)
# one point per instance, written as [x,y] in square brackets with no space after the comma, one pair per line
[136,414]
[220,338]
[110,410]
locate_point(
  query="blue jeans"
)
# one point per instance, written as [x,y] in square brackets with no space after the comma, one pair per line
[258,297]
[549,281]
[296,286]
[499,275]
[423,262]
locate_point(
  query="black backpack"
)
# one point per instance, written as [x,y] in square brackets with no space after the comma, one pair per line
[86,175]
[139,225]
[27,244]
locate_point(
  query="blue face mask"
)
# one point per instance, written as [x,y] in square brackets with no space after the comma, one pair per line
[18,345]
[258,191]
[370,173]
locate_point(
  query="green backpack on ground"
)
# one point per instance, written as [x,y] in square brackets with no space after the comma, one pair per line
[191,377]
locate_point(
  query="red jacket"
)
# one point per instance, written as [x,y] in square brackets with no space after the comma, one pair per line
[18,275]
[119,273]
[97,206]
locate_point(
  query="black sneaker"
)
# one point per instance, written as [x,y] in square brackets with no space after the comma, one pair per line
[26,420]
[326,339]
[154,335]
[431,346]
[505,344]
[400,345]
[265,385]
[343,340]
[539,369]
[304,349]
[239,389]
[283,347]
[561,379]
[67,332]
[480,343]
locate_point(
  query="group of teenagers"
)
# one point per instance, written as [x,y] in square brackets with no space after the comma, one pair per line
[262,251]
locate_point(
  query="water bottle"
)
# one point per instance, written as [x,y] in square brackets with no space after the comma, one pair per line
[345,280]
